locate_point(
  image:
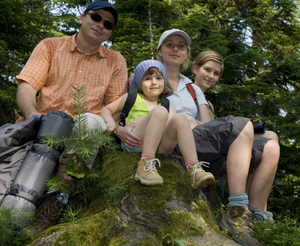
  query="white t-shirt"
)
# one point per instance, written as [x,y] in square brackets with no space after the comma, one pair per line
[182,100]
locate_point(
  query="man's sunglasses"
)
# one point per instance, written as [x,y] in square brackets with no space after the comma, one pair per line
[97,18]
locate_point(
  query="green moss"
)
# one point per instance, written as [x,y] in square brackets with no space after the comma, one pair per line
[202,210]
[100,224]
[99,229]
[183,224]
[150,240]
[120,167]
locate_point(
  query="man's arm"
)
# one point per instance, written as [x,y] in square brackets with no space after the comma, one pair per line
[26,100]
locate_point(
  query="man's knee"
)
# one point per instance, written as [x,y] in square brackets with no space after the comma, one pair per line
[95,121]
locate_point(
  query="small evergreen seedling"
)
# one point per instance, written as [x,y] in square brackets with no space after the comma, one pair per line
[82,141]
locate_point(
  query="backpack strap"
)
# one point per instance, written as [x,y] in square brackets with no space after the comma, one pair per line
[165,103]
[15,148]
[212,111]
[193,94]
[132,93]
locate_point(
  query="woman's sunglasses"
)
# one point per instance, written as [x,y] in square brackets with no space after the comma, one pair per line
[97,18]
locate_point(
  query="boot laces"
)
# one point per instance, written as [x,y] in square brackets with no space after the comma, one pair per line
[150,165]
[198,166]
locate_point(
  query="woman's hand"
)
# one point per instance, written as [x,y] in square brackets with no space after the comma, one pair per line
[127,137]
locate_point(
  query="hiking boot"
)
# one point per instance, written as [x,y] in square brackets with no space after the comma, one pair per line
[239,225]
[199,178]
[47,213]
[147,173]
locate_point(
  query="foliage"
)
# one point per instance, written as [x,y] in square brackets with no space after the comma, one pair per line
[82,140]
[284,232]
[14,234]
[23,25]
[8,106]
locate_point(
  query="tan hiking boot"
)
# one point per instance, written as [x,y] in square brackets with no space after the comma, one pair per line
[147,173]
[239,225]
[199,178]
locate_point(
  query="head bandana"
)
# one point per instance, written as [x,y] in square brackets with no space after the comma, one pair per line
[140,70]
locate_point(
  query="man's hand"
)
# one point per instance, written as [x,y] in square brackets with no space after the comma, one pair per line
[33,113]
[127,137]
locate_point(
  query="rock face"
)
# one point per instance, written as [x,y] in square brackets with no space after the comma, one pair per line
[128,213]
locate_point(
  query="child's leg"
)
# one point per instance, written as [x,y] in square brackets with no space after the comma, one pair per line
[150,129]
[178,131]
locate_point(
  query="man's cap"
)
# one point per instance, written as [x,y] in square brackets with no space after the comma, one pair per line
[105,6]
[172,32]
[140,70]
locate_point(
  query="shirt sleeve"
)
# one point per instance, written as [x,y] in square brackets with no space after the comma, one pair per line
[200,96]
[36,69]
[118,84]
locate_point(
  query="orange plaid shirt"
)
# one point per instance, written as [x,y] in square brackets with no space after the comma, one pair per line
[57,63]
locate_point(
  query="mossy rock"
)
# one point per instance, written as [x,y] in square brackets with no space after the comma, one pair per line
[129,213]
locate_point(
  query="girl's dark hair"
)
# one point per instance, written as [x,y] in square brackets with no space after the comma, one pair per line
[168,91]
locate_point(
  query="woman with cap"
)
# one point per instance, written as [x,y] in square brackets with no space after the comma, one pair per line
[225,142]
[158,129]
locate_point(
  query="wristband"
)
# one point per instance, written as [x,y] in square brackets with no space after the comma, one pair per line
[195,122]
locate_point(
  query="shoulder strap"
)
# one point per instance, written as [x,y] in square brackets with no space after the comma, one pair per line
[165,103]
[15,148]
[212,111]
[132,93]
[191,91]
[193,94]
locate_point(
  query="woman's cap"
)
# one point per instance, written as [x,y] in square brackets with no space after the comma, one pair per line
[171,32]
[140,70]
[105,6]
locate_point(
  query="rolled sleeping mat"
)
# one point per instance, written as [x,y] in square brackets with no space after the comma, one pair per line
[38,165]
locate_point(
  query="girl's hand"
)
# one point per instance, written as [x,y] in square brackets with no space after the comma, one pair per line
[111,126]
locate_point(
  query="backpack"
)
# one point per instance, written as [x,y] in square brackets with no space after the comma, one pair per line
[132,93]
[15,142]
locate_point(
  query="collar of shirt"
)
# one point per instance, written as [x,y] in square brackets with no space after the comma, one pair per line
[182,82]
[101,50]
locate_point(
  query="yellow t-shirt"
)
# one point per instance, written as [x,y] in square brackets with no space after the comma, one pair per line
[139,109]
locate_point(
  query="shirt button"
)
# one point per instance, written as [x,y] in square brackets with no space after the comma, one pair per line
[79,71]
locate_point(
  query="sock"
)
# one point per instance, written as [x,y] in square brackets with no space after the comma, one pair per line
[238,200]
[262,215]
[146,155]
[269,215]
[190,162]
[258,214]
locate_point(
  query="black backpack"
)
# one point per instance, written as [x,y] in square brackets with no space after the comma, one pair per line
[132,93]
